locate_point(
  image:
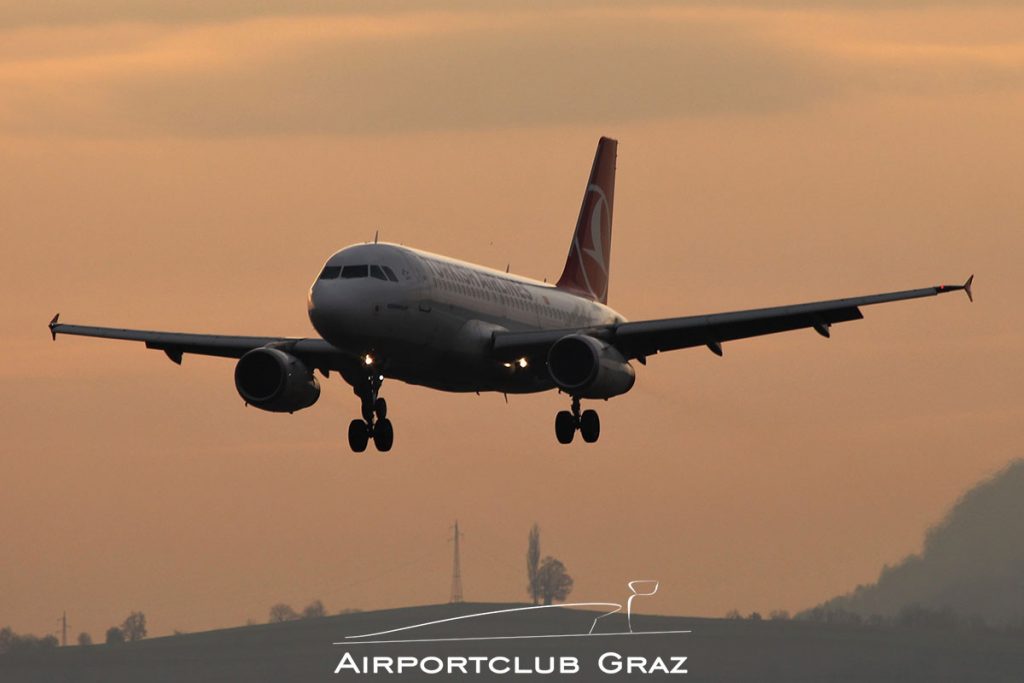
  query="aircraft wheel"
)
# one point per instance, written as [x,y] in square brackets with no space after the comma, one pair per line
[383,435]
[590,426]
[565,426]
[380,408]
[358,436]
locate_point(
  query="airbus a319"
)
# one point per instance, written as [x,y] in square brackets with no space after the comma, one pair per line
[385,311]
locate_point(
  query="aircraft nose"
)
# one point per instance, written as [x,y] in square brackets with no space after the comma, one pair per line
[336,310]
[323,306]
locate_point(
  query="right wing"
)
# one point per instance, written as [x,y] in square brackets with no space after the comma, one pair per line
[316,353]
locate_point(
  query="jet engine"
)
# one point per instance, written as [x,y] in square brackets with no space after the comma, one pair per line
[273,380]
[589,368]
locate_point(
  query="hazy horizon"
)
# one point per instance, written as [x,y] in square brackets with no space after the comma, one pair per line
[190,167]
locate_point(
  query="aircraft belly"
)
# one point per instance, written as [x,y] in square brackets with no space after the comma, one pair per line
[453,354]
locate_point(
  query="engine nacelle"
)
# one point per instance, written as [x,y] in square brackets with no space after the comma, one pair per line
[586,367]
[273,380]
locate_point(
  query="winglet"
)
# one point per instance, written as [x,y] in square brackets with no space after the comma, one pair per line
[954,288]
[53,327]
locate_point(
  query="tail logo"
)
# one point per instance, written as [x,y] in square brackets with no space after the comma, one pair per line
[594,268]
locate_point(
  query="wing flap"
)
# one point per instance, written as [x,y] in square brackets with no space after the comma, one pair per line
[647,338]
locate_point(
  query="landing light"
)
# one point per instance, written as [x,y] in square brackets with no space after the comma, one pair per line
[507,365]
[368,360]
[521,362]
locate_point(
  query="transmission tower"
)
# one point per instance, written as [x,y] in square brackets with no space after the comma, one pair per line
[456,569]
[64,629]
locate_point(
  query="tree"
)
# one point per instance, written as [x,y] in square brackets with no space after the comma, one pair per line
[114,636]
[533,563]
[779,615]
[11,642]
[84,639]
[134,627]
[6,639]
[281,612]
[314,610]
[553,581]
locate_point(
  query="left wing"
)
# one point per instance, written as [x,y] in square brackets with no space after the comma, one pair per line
[647,337]
[316,353]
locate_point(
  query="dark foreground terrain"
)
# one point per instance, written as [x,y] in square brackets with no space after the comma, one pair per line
[715,650]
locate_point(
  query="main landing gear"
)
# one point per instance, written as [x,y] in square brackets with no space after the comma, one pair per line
[587,422]
[375,424]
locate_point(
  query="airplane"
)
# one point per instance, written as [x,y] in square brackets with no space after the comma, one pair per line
[386,311]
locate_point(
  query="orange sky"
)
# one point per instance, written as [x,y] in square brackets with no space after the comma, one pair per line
[189,166]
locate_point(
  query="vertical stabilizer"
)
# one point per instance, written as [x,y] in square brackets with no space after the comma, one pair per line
[586,268]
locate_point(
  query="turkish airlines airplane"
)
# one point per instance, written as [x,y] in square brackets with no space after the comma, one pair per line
[385,311]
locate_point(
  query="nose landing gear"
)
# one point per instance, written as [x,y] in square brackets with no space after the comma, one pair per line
[566,423]
[375,424]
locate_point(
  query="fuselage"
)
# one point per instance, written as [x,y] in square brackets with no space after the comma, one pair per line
[428,319]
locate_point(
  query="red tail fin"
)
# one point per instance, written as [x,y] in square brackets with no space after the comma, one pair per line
[586,268]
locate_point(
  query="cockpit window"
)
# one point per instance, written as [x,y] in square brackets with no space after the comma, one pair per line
[362,270]
[351,272]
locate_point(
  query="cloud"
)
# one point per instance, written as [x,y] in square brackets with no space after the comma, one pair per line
[335,76]
[18,13]
[405,71]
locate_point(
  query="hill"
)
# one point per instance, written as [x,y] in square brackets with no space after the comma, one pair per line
[716,649]
[972,562]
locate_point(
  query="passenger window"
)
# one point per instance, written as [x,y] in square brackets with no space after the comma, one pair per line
[330,272]
[390,273]
[376,272]
[352,272]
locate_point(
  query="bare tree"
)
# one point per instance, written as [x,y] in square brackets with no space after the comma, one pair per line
[553,581]
[314,610]
[114,635]
[84,639]
[281,612]
[134,627]
[533,563]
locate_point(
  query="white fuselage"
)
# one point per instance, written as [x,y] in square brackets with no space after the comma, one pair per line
[428,319]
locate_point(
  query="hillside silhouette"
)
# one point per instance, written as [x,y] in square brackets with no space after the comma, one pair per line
[716,650]
[972,563]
